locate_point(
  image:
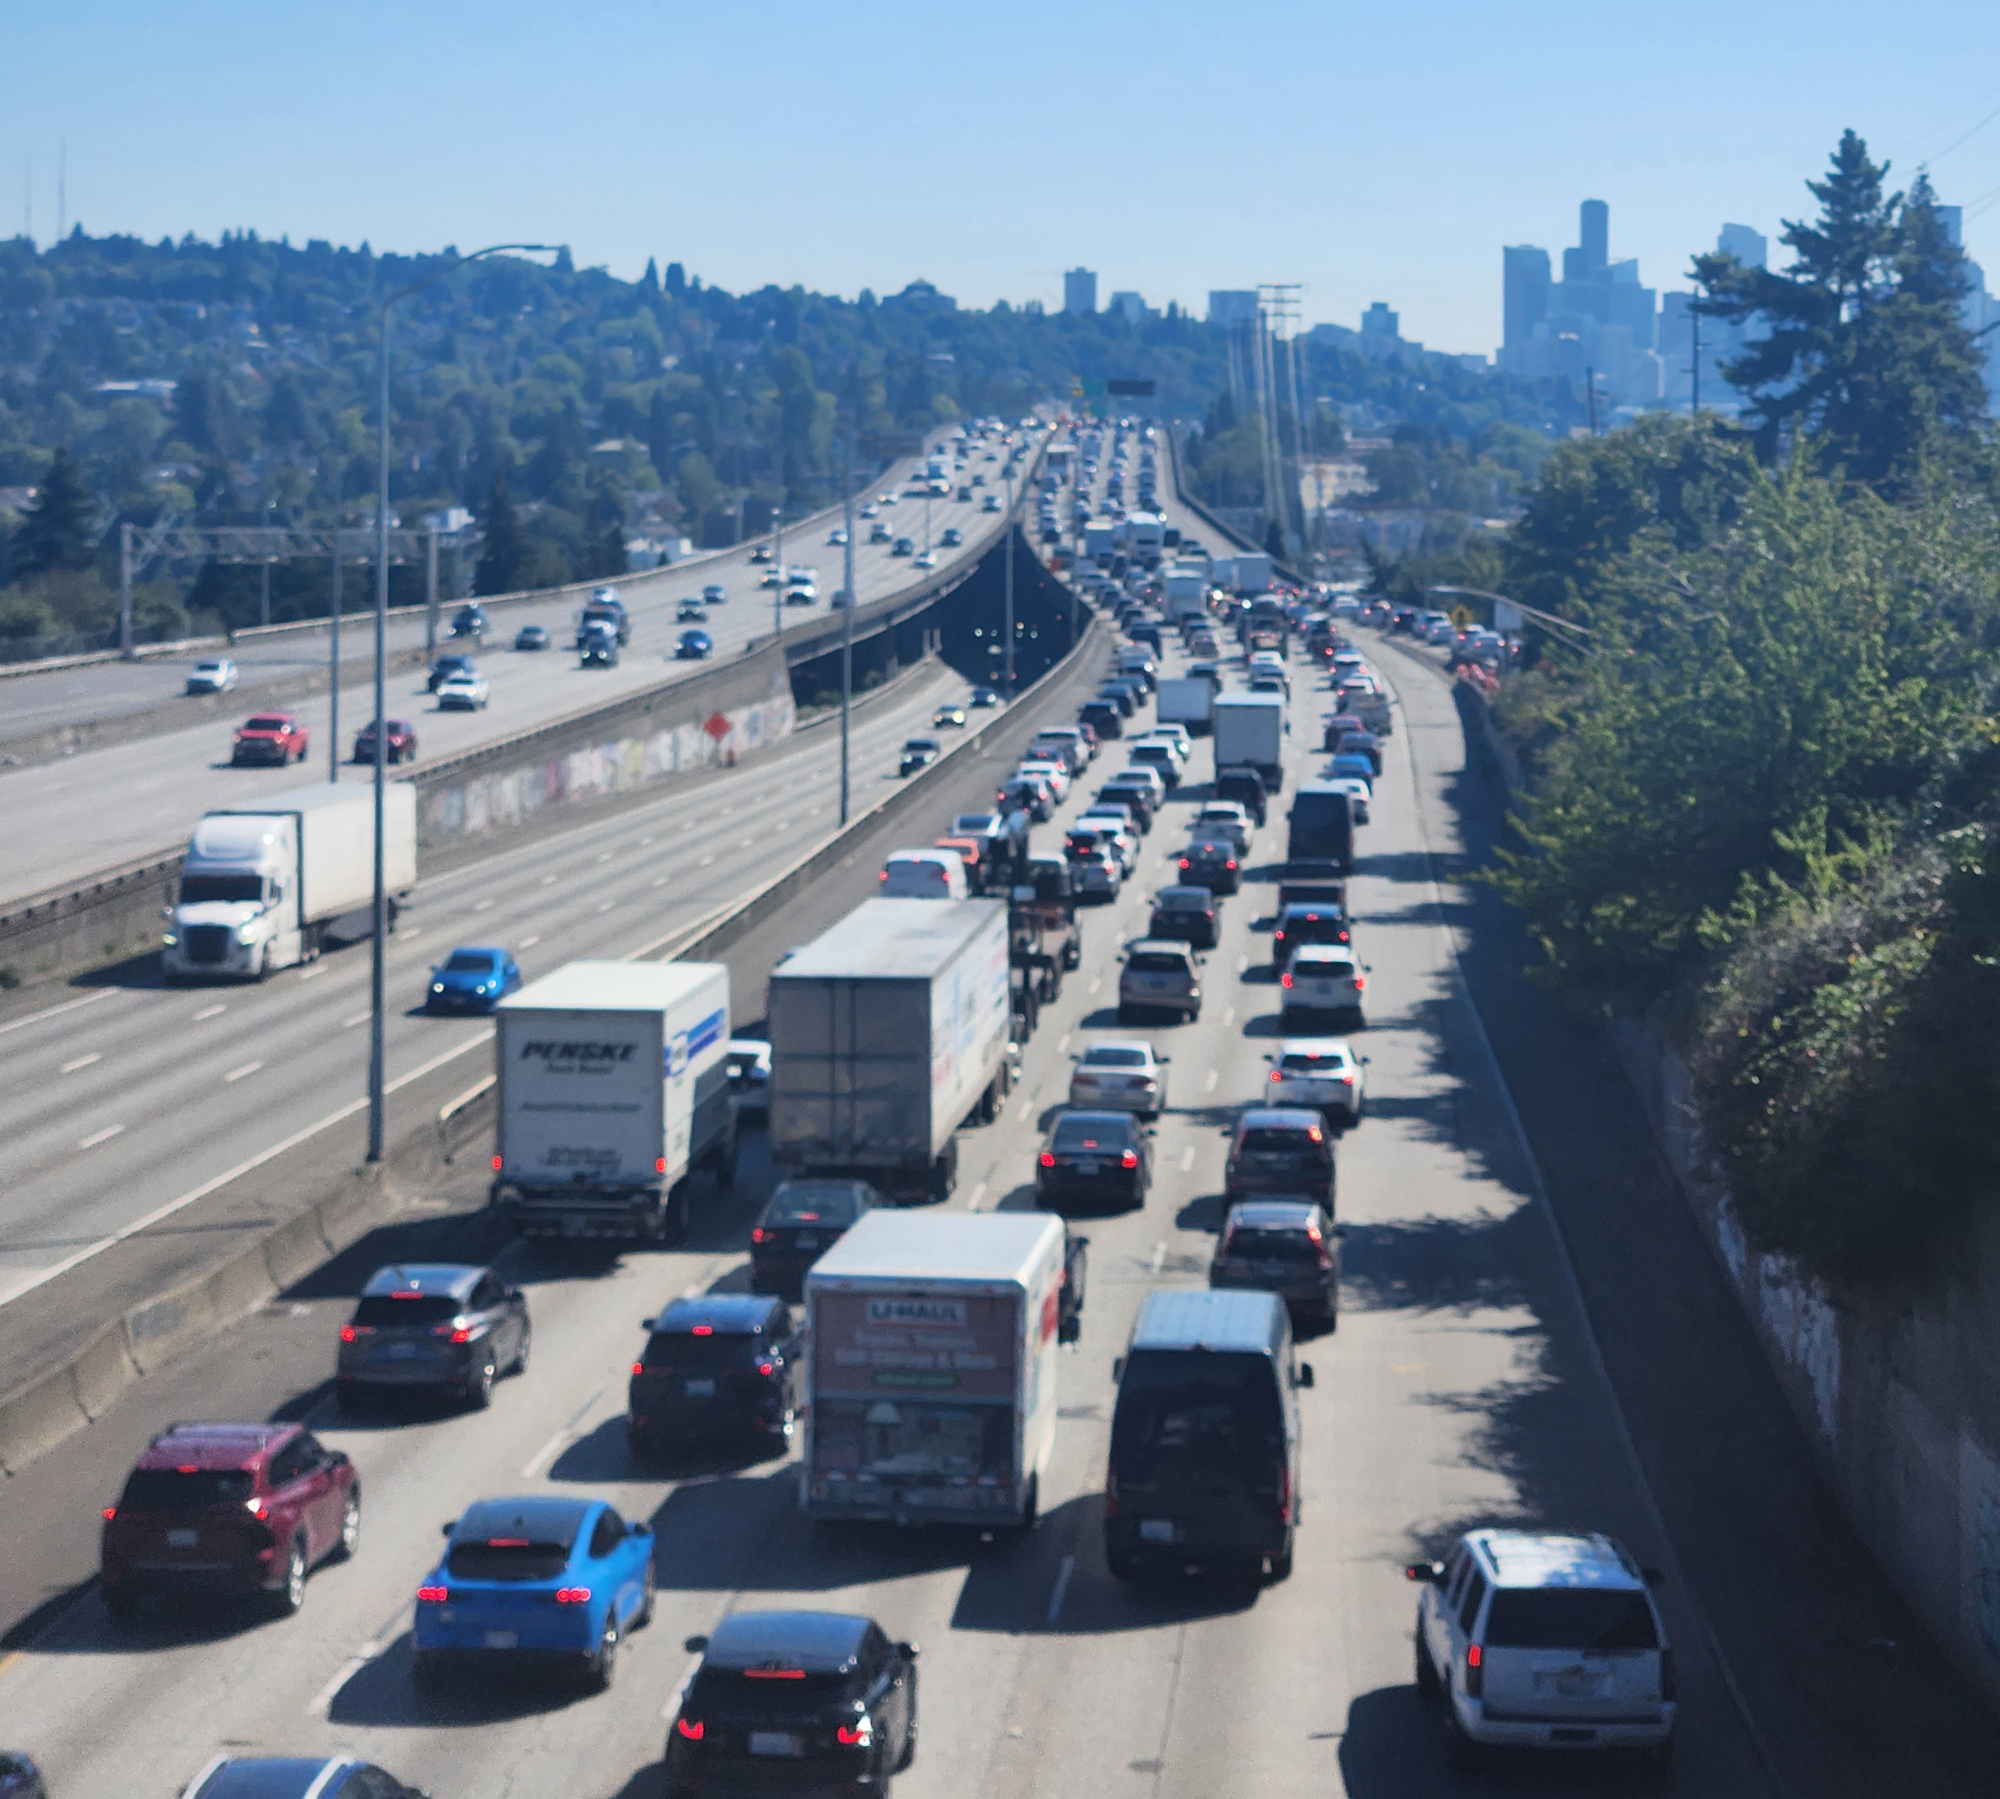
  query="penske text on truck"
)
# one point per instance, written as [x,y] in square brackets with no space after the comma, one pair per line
[613,1088]
[932,1348]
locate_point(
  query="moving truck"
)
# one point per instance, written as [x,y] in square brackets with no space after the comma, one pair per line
[888,1032]
[1141,540]
[1186,594]
[266,886]
[1100,540]
[1184,700]
[932,1341]
[1250,571]
[613,1087]
[1250,729]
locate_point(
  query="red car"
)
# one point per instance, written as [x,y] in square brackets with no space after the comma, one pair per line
[231,1508]
[401,744]
[269,737]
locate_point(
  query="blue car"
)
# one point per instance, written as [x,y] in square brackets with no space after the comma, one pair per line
[288,1777]
[1352,767]
[694,646]
[537,1579]
[473,980]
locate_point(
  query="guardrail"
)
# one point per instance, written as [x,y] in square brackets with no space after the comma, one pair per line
[1215,524]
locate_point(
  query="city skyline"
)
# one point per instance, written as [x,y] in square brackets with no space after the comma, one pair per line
[824,193]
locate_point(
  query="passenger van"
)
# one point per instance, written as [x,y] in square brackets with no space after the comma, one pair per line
[1205,1447]
[923,874]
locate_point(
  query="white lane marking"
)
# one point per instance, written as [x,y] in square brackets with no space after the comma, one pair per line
[1208,1082]
[237,1074]
[746,843]
[530,942]
[348,1024]
[1187,1158]
[679,1693]
[605,857]
[548,880]
[210,1012]
[1096,981]
[661,882]
[313,973]
[68,1005]
[978,1193]
[485,905]
[1228,1014]
[549,1450]
[1061,1589]
[705,861]
[81,1062]
[321,1702]
[607,906]
[103,1136]
[1062,1043]
[1242,962]
[1159,1255]
[643,841]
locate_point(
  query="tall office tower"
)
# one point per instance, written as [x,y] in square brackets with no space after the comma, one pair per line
[1525,291]
[1080,290]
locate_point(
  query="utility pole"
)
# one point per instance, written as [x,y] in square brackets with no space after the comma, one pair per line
[333,631]
[846,616]
[778,537]
[125,592]
[1694,365]
[430,590]
[1007,664]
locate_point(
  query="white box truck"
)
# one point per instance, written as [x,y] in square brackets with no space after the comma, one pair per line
[1186,594]
[1100,540]
[265,886]
[1184,700]
[1142,539]
[1250,729]
[888,1032]
[1250,571]
[932,1343]
[613,1088]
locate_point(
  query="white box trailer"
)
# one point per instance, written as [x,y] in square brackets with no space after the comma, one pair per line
[1184,700]
[1250,728]
[887,1032]
[613,1088]
[932,1345]
[263,887]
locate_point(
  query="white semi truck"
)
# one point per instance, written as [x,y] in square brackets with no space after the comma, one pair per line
[266,886]
[613,1087]
[932,1344]
[888,1032]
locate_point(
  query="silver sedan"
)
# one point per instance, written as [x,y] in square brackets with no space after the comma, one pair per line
[1121,1076]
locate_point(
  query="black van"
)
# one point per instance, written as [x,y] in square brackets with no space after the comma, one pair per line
[1205,1449]
[1322,823]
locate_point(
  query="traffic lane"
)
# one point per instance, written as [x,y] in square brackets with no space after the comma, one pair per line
[87,811]
[183,1120]
[1785,1580]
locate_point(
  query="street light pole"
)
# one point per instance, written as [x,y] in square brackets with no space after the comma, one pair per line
[847,620]
[378,960]
[1007,666]
[333,670]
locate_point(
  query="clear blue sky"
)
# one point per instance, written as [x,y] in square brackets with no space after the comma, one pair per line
[1371,152]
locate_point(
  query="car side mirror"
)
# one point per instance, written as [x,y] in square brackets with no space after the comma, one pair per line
[908,1651]
[447,1527]
[645,1324]
[1305,1374]
[1431,1573]
[1118,1369]
[1365,1060]
[1652,1576]
[1070,1329]
[695,1645]
[639,1528]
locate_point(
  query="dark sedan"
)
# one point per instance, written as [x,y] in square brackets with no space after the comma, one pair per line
[444,668]
[1098,1161]
[399,741]
[532,637]
[800,1222]
[1212,862]
[1103,717]
[717,1364]
[694,646]
[1186,915]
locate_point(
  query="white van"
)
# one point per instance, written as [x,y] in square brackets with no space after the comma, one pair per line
[923,874]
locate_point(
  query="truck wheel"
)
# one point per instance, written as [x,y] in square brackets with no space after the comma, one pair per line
[674,1218]
[725,1167]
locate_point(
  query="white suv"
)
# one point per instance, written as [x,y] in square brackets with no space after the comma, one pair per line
[1546,1642]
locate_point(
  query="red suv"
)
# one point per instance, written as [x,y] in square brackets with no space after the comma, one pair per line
[243,1508]
[269,737]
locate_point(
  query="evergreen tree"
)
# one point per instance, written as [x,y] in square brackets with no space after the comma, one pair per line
[604,547]
[649,282]
[1866,347]
[677,280]
[56,534]
[1274,541]
[505,553]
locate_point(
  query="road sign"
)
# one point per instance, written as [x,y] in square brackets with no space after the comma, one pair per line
[1137,389]
[716,726]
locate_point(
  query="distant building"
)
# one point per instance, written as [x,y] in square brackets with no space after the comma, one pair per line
[1381,339]
[1980,310]
[1132,306]
[1597,322]
[1232,306]
[1080,290]
[1720,341]
[1379,321]
[1750,246]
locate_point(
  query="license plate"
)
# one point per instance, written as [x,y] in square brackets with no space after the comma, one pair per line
[1156,1530]
[503,1639]
[699,1389]
[776,1742]
[399,1352]
[1271,1271]
[1089,1167]
[183,1539]
[806,1240]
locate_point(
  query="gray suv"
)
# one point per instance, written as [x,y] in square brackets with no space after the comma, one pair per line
[1159,976]
[444,1326]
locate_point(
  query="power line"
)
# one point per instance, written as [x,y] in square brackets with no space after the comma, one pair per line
[1961,138]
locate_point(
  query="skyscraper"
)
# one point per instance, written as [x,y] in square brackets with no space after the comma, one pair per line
[1598,320]
[1080,290]
[1379,321]
[1524,291]
[1747,245]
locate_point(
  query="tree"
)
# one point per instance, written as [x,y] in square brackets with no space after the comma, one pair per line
[677,280]
[604,545]
[1274,541]
[1866,347]
[56,534]
[505,553]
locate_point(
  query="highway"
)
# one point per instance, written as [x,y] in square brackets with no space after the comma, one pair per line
[88,811]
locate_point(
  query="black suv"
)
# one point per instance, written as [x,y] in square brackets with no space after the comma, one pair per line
[1185,915]
[1246,787]
[714,1365]
[445,667]
[1308,923]
[800,1222]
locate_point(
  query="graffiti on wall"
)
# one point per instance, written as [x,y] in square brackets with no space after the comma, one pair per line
[486,800]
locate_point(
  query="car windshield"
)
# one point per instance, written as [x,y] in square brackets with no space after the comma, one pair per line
[1272,1243]
[389,1311]
[1307,1061]
[813,1205]
[195,889]
[184,1489]
[506,1558]
[268,721]
[974,824]
[1193,1406]
[767,1694]
[1158,962]
[1269,1138]
[701,1347]
[472,961]
[1106,1057]
[1583,1618]
[1092,1132]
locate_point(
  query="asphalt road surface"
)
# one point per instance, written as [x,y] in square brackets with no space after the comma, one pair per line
[88,811]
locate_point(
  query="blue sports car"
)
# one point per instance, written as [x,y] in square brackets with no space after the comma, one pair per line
[472,980]
[541,1577]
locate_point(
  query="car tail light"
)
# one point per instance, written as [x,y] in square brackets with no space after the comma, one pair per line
[461,1335]
[433,1595]
[1048,1158]
[110,1512]
[690,1730]
[496,1164]
[1360,982]
[857,1735]
[1475,1671]
[1346,1080]
[638,1367]
[761,1235]
[702,1330]
[659,1164]
[1130,1159]
[1285,979]
[257,1508]
[1667,1680]
[348,1333]
[1313,1132]
[1276,1076]
[572,1595]
[1231,863]
[767,1368]
[1184,862]
[1284,1495]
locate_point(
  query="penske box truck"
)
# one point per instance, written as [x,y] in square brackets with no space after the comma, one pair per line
[888,1032]
[613,1088]
[931,1353]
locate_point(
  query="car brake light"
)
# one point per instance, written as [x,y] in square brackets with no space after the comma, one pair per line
[572,1595]
[691,1729]
[1360,982]
[638,1367]
[704,1330]
[857,1735]
[761,1235]
[461,1335]
[1346,1080]
[1276,1076]
[659,1164]
[188,1468]
[767,1367]
[1475,1671]
[257,1508]
[1130,1159]
[1285,980]
[1313,1132]
[348,1333]
[1048,1158]
[1184,862]
[496,1164]
[774,1674]
[433,1595]
[1284,1495]
[110,1512]
[1231,863]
